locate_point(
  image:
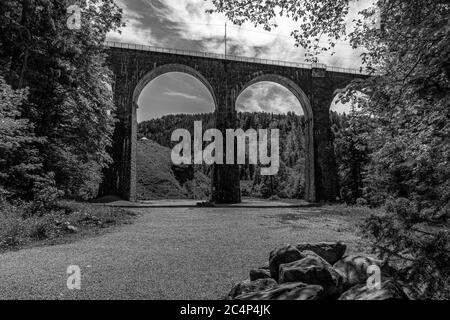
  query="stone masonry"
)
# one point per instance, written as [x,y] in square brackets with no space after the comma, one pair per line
[225,79]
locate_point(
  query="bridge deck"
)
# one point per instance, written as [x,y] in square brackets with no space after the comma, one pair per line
[131,46]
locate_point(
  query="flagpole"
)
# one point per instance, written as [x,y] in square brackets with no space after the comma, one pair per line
[225,39]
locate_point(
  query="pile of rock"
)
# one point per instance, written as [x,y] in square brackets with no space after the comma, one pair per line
[315,272]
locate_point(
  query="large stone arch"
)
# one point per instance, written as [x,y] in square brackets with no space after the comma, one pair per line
[310,186]
[167,68]
[143,82]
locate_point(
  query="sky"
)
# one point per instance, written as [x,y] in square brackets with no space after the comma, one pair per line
[184,24]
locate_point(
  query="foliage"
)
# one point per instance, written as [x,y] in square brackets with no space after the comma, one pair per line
[19,227]
[352,153]
[69,97]
[20,163]
[46,195]
[418,250]
[315,19]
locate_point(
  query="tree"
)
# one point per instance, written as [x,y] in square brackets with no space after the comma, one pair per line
[69,101]
[409,100]
[352,152]
[20,163]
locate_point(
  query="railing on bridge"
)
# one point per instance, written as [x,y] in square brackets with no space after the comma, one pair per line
[140,47]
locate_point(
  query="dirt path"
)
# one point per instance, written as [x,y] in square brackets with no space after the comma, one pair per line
[169,254]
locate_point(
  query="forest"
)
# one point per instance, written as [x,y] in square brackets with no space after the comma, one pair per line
[287,184]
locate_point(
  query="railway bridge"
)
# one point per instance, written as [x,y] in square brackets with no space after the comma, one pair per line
[314,85]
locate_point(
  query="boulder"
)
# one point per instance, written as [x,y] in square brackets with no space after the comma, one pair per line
[282,255]
[287,291]
[259,274]
[248,286]
[312,270]
[70,228]
[353,269]
[331,252]
[389,291]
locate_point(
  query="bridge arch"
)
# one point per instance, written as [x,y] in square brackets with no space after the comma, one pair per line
[288,84]
[310,186]
[167,68]
[142,83]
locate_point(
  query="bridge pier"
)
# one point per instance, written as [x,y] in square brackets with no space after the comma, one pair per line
[326,178]
[226,182]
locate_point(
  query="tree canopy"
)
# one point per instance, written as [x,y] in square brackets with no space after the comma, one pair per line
[69,100]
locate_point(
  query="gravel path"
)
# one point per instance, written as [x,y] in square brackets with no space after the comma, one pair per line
[169,254]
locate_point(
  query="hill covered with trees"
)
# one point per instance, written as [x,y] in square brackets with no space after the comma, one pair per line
[288,183]
[158,178]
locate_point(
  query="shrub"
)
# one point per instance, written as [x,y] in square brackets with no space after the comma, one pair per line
[45,227]
[19,227]
[46,195]
[11,225]
[417,249]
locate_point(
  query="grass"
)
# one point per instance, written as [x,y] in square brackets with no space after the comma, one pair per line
[69,222]
[341,221]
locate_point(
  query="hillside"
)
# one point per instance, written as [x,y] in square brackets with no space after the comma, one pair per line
[157,178]
[288,183]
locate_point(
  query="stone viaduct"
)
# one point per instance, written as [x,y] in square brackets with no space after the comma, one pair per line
[134,66]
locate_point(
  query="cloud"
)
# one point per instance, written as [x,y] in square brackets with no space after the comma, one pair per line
[186,25]
[135,31]
[268,97]
[174,93]
[183,95]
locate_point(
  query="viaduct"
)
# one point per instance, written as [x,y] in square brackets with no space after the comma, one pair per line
[314,85]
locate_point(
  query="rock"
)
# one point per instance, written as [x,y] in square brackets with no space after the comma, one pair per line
[287,291]
[259,274]
[311,254]
[312,270]
[353,269]
[248,286]
[331,252]
[71,228]
[282,255]
[389,291]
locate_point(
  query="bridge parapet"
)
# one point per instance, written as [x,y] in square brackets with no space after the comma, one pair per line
[193,53]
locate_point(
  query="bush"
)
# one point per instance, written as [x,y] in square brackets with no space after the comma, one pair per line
[19,226]
[11,225]
[46,195]
[361,202]
[45,227]
[417,249]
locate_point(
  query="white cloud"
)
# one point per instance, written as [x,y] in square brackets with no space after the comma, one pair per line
[188,20]
[196,24]
[183,95]
[268,97]
[134,31]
